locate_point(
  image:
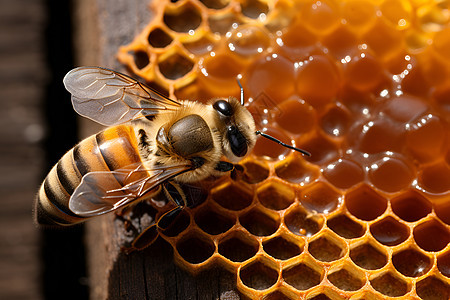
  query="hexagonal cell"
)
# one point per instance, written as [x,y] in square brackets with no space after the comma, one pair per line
[276,195]
[411,206]
[255,171]
[442,210]
[327,248]
[389,231]
[296,116]
[344,173]
[411,262]
[391,174]
[215,4]
[368,256]
[238,246]
[301,223]
[277,295]
[213,222]
[435,178]
[254,8]
[390,284]
[336,121]
[221,23]
[346,227]
[296,171]
[180,223]
[260,223]
[195,248]
[322,149]
[259,274]
[175,66]
[182,18]
[199,47]
[431,288]
[249,40]
[320,197]
[232,196]
[282,248]
[158,38]
[443,263]
[141,59]
[303,276]
[431,235]
[365,204]
[347,278]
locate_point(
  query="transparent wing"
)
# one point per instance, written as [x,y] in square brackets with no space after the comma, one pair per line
[112,98]
[103,192]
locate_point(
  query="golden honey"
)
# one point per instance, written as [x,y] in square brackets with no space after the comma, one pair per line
[364,85]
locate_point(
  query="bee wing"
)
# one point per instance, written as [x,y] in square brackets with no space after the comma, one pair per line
[105,191]
[111,98]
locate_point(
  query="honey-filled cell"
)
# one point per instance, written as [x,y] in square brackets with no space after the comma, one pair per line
[364,86]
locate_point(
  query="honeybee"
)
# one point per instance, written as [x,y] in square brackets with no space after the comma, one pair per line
[152,144]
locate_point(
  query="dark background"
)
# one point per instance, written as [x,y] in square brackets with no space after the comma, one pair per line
[37,126]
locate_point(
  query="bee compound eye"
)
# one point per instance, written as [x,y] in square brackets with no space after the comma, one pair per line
[223,107]
[237,140]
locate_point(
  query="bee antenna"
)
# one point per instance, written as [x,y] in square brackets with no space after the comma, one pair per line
[242,90]
[281,143]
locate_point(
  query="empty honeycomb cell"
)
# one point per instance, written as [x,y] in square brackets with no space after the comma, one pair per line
[391,174]
[324,150]
[359,15]
[443,263]
[411,262]
[346,227]
[296,171]
[341,43]
[254,8]
[397,13]
[296,116]
[442,211]
[255,171]
[344,173]
[336,121]
[327,248]
[260,223]
[432,288]
[435,178]
[282,248]
[213,222]
[347,278]
[195,248]
[249,40]
[364,72]
[182,18]
[158,38]
[390,284]
[411,206]
[215,4]
[389,231]
[383,41]
[364,203]
[431,235]
[317,79]
[303,276]
[232,196]
[368,256]
[321,17]
[141,59]
[277,295]
[299,222]
[426,138]
[238,247]
[441,44]
[275,195]
[320,197]
[268,149]
[259,274]
[175,66]
[222,23]
[272,75]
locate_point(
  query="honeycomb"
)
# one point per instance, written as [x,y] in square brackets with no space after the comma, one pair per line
[364,85]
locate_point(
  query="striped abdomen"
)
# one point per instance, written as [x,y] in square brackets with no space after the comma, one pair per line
[111,149]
